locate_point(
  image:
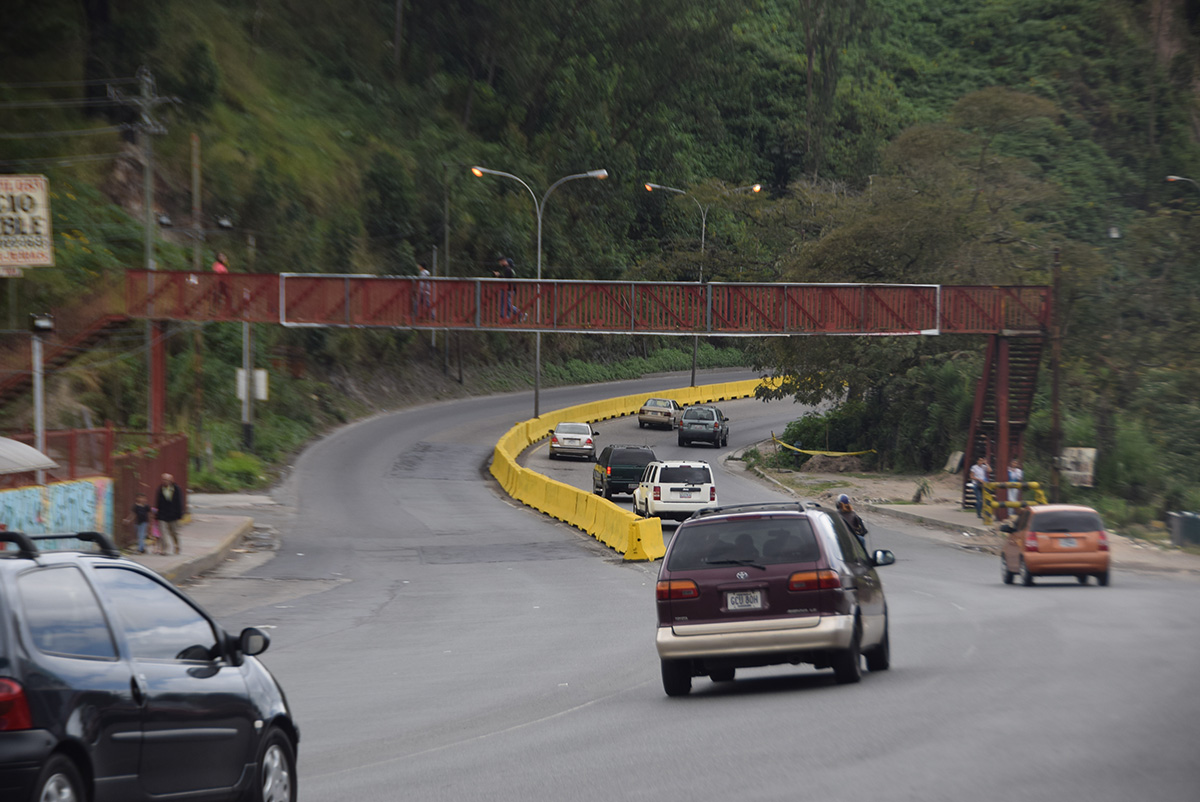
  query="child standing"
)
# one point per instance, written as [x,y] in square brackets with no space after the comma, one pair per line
[141,515]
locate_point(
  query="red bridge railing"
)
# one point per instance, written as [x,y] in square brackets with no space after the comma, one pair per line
[733,309]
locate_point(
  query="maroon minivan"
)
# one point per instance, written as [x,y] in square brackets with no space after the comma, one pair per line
[768,584]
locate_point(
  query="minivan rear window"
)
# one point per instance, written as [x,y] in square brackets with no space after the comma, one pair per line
[685,475]
[1066,521]
[765,541]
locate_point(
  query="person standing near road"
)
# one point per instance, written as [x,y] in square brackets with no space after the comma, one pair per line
[169,503]
[855,524]
[979,475]
[1015,474]
[140,515]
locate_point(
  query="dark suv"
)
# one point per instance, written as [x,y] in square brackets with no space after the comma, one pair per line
[706,424]
[767,584]
[116,686]
[619,468]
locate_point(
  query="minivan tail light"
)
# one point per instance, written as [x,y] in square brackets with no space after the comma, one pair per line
[814,580]
[712,494]
[1031,543]
[716,425]
[676,589]
[657,493]
[14,708]
[1102,542]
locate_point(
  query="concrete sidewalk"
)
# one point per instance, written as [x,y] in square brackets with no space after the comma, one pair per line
[964,528]
[206,542]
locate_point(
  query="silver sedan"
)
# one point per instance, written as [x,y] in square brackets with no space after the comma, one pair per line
[573,440]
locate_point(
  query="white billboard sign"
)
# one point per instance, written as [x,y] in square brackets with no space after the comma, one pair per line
[26,239]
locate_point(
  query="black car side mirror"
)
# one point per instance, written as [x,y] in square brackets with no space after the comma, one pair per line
[883,557]
[253,641]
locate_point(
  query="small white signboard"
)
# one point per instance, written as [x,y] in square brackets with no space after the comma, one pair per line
[26,238]
[1078,466]
[260,384]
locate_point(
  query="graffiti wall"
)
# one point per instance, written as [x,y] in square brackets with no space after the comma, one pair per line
[84,505]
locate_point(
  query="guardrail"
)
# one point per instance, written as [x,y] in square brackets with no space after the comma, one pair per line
[634,537]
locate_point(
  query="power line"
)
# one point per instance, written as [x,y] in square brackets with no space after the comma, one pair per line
[58,161]
[68,84]
[60,104]
[108,129]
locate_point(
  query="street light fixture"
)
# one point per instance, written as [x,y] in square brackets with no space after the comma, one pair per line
[539,207]
[1181,178]
[650,187]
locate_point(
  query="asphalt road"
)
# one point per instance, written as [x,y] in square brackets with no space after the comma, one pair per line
[439,642]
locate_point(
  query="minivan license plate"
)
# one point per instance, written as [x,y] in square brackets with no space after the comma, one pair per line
[744,600]
[1067,542]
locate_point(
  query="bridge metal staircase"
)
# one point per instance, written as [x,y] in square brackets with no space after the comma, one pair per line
[1003,403]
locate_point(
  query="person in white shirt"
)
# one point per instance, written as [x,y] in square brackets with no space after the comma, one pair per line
[979,475]
[1015,474]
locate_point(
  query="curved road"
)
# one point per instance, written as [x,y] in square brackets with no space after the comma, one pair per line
[440,642]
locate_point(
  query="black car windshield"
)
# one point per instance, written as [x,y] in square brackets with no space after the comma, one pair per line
[631,456]
[1066,521]
[763,541]
[685,475]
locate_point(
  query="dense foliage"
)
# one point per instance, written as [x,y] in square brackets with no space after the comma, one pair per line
[898,140]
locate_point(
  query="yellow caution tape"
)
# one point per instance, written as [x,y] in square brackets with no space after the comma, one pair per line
[821,453]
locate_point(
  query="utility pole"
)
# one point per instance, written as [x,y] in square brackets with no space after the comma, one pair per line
[446,272]
[148,126]
[1055,364]
[198,332]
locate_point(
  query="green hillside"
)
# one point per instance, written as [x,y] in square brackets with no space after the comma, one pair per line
[897,140]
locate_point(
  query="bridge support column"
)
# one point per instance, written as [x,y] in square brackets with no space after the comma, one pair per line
[158,376]
[1000,470]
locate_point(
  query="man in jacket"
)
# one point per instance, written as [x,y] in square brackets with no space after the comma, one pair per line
[169,507]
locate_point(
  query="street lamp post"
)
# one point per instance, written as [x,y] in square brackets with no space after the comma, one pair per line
[703,225]
[538,208]
[39,325]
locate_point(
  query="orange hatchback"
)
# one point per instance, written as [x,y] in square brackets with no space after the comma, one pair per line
[1055,540]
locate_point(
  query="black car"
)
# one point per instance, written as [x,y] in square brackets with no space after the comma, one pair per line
[619,468]
[115,686]
[705,424]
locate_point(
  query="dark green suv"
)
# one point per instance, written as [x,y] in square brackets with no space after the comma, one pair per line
[619,468]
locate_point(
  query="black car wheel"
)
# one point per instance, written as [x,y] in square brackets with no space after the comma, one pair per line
[641,424]
[1026,577]
[1102,579]
[677,677]
[275,774]
[847,665]
[682,442]
[880,657]
[59,782]
[607,492]
[1005,574]
[1083,578]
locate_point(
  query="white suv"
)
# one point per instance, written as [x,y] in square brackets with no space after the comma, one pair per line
[674,489]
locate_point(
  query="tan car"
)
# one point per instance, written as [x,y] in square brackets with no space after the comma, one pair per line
[660,412]
[1055,540]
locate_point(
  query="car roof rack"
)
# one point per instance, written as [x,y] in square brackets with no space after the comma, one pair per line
[27,544]
[757,507]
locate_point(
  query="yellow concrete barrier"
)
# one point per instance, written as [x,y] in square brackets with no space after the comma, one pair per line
[636,538]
